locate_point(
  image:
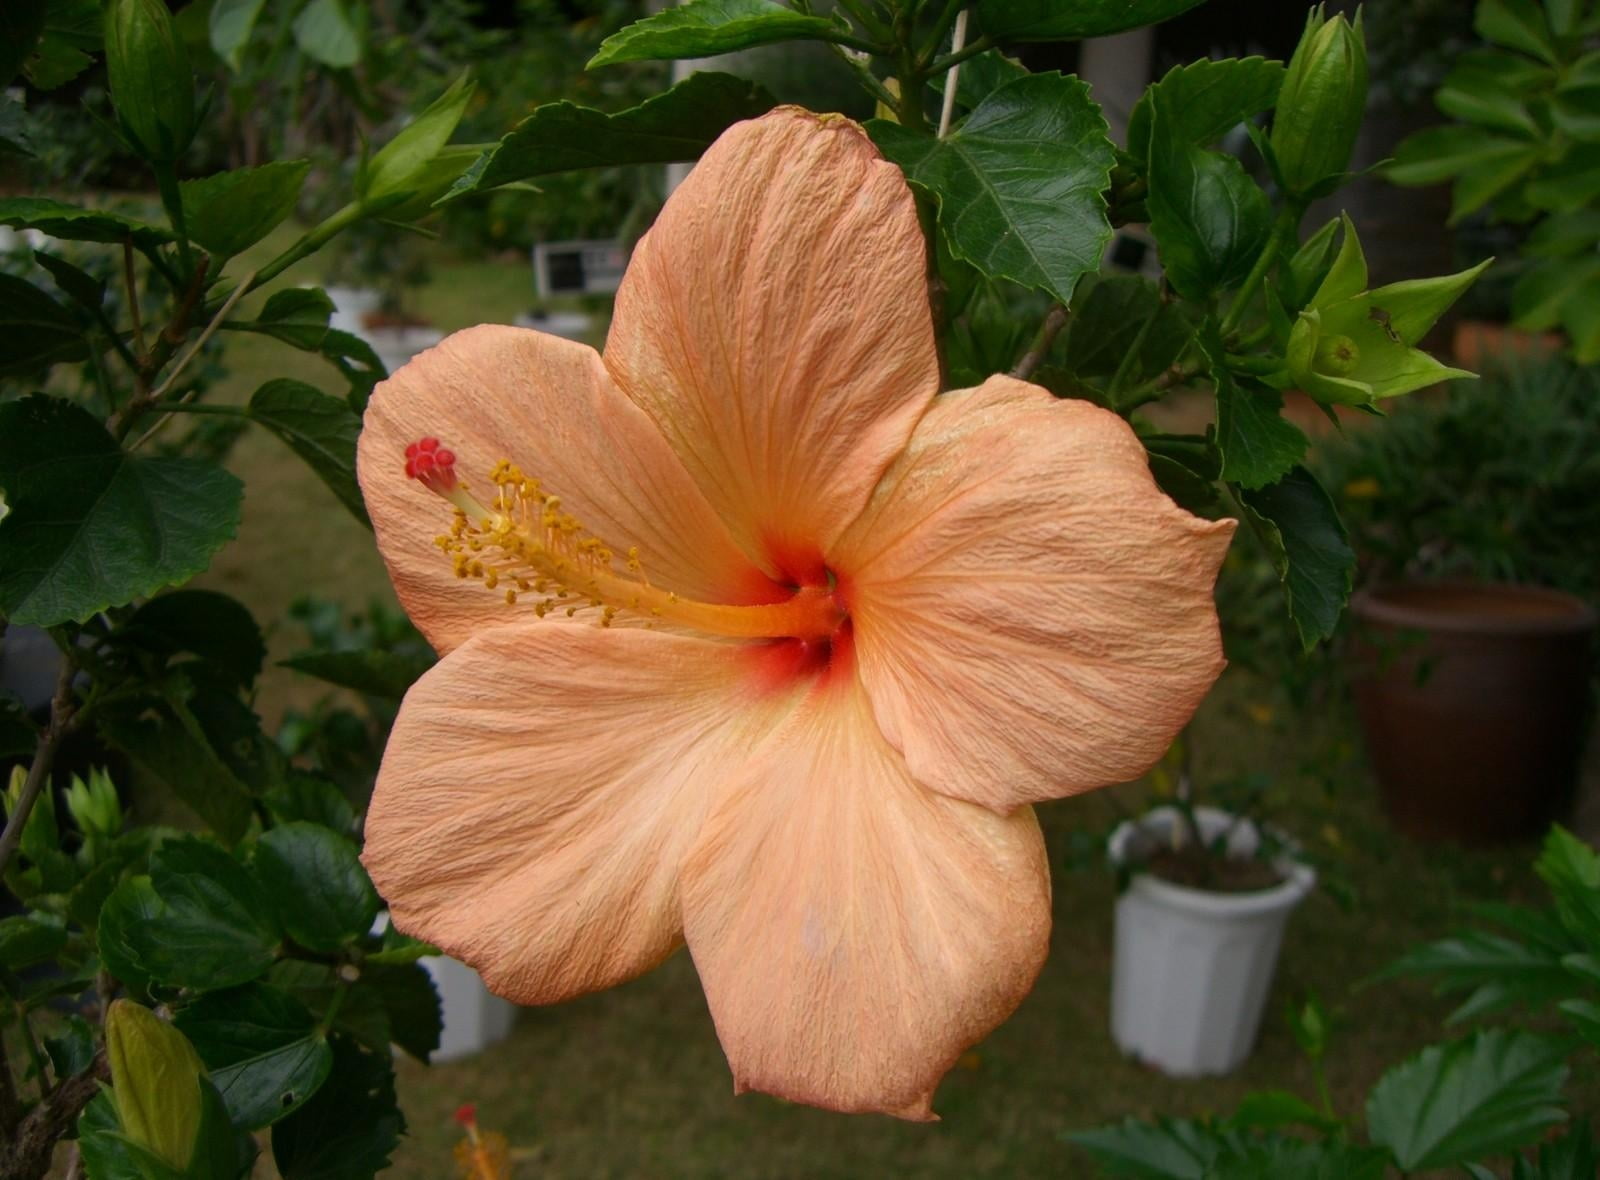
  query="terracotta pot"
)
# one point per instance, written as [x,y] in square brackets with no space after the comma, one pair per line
[1473,699]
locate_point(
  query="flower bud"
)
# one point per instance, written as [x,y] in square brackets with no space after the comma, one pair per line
[152,86]
[155,1082]
[1321,104]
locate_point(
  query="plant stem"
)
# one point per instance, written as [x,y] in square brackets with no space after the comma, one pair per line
[940,65]
[10,1103]
[172,201]
[1288,221]
[941,26]
[310,242]
[155,395]
[197,408]
[1055,319]
[952,81]
[863,15]
[63,714]
[133,296]
[31,1043]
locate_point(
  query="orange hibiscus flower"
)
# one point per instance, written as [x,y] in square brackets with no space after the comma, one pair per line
[853,629]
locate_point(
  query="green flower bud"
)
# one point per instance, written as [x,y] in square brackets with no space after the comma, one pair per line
[155,1081]
[1321,104]
[152,86]
[1336,355]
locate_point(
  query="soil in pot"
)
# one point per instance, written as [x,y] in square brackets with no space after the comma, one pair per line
[1196,869]
[1473,699]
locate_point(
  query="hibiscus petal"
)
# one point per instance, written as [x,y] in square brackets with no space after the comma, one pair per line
[854,931]
[1033,616]
[548,405]
[541,787]
[775,324]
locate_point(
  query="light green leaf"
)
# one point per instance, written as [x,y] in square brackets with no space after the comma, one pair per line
[1052,20]
[232,211]
[706,28]
[1019,185]
[325,32]
[678,124]
[91,526]
[1169,1149]
[400,163]
[1516,24]
[1309,548]
[230,26]
[1572,871]
[1493,1092]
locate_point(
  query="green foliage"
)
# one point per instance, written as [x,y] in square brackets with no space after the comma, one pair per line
[349,1128]
[322,430]
[91,526]
[263,1048]
[232,211]
[1321,105]
[1204,100]
[1044,20]
[316,884]
[706,28]
[151,84]
[1019,184]
[1297,522]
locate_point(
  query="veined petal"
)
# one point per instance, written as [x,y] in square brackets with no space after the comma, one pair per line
[1033,616]
[541,787]
[855,932]
[774,323]
[548,405]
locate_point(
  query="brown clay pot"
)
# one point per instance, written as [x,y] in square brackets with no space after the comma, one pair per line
[1473,699]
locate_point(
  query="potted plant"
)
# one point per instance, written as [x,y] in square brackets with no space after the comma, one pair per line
[1469,656]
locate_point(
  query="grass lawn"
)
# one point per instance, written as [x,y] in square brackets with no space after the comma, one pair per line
[632,1083]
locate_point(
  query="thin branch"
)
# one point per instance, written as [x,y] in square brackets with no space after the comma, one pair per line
[133,296]
[1055,319]
[155,394]
[63,711]
[10,1103]
[952,81]
[951,60]
[26,1155]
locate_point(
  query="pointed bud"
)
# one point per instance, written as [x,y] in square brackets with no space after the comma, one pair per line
[155,1082]
[152,86]
[1321,104]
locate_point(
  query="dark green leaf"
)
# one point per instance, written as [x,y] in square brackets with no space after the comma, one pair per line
[1440,153]
[1271,1110]
[1585,1017]
[349,1128]
[198,921]
[73,224]
[325,32]
[1020,184]
[28,939]
[678,124]
[262,1048]
[705,28]
[90,526]
[1121,335]
[232,211]
[1476,92]
[1497,970]
[408,995]
[1052,20]
[203,623]
[106,1155]
[299,317]
[1516,24]
[72,1047]
[1281,1158]
[377,673]
[21,24]
[1210,220]
[1574,1156]
[1307,545]
[360,1012]
[1169,1149]
[322,430]
[1187,468]
[75,283]
[1205,100]
[1572,871]
[1259,445]
[399,949]
[318,888]
[1493,1092]
[35,331]
[980,77]
[306,797]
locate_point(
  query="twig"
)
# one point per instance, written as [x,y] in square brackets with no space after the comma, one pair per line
[155,394]
[10,1103]
[133,296]
[1055,319]
[26,1155]
[952,80]
[62,713]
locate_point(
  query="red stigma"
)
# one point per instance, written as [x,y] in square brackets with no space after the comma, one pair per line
[466,1114]
[431,465]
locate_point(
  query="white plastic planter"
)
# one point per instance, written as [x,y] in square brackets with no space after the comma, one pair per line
[351,306]
[474,1017]
[1192,968]
[396,346]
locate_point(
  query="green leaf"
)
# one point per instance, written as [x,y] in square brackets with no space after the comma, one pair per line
[91,526]
[72,1048]
[105,1153]
[1478,91]
[1259,445]
[1020,184]
[325,32]
[350,1127]
[1205,100]
[304,796]
[1281,1158]
[21,24]
[231,23]
[263,1049]
[35,331]
[980,77]
[378,673]
[26,939]
[73,224]
[75,283]
[1493,1092]
[1270,1110]
[1574,1156]
[1187,467]
[1497,970]
[408,996]
[1210,220]
[203,623]
[1567,186]
[399,949]
[1308,547]
[199,920]
[1585,1017]
[706,28]
[678,124]
[1572,871]
[299,317]
[1516,24]
[1543,291]
[322,430]
[400,164]
[1440,153]
[1168,1149]
[156,1083]
[1122,335]
[319,890]
[231,211]
[1052,20]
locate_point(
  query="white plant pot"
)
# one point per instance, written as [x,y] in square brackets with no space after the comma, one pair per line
[1192,968]
[473,1017]
[350,308]
[396,346]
